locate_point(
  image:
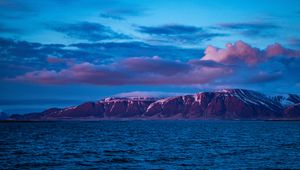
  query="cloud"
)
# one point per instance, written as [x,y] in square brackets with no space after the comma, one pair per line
[278,50]
[294,42]
[18,57]
[122,13]
[15,10]
[130,49]
[14,5]
[273,66]
[88,31]
[21,56]
[251,29]
[154,94]
[152,71]
[264,77]
[243,52]
[169,29]
[236,65]
[55,60]
[5,29]
[59,60]
[182,34]
[155,65]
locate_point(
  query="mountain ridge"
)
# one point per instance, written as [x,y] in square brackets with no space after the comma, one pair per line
[226,104]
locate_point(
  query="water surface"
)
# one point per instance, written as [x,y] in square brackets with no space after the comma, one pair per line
[150,144]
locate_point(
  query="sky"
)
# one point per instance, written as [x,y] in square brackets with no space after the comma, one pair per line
[57,53]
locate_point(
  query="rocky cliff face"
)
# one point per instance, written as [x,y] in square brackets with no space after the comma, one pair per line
[225,104]
[292,112]
[107,108]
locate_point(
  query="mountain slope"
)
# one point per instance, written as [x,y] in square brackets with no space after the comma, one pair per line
[106,108]
[226,104]
[287,100]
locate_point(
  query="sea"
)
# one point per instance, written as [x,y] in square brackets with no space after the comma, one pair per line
[156,144]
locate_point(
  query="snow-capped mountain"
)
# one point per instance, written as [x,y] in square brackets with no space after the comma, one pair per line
[226,104]
[287,100]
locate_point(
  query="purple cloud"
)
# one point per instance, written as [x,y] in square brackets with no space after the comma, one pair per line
[154,94]
[263,77]
[155,65]
[55,60]
[243,52]
[143,71]
[238,63]
[37,56]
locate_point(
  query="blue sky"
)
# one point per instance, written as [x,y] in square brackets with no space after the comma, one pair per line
[60,53]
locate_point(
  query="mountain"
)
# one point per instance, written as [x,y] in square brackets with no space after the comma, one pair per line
[229,104]
[292,111]
[224,104]
[106,108]
[287,100]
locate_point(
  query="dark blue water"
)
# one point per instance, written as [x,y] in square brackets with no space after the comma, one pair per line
[150,144]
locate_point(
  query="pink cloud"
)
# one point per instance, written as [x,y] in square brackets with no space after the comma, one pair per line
[143,71]
[55,60]
[145,94]
[243,52]
[278,50]
[217,66]
[155,65]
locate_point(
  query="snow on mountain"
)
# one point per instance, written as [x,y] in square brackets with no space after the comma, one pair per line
[222,104]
